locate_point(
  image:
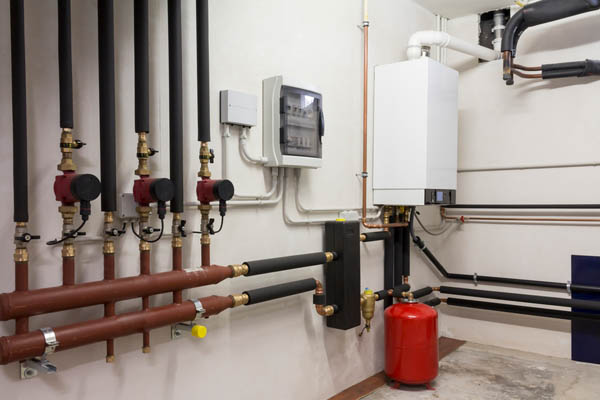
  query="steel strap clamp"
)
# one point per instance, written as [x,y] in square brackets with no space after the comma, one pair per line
[569,288]
[199,309]
[475,279]
[50,339]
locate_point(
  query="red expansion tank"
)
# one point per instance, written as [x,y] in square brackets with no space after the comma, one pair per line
[411,343]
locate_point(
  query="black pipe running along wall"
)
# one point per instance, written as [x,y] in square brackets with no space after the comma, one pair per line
[106,68]
[526,206]
[202,37]
[278,291]
[524,298]
[19,109]
[65,64]
[509,308]
[175,105]
[494,279]
[142,69]
[278,264]
[388,266]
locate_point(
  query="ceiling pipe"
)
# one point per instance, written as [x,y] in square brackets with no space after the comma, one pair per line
[422,39]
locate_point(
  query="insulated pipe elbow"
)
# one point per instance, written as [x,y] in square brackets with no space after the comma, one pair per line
[434,38]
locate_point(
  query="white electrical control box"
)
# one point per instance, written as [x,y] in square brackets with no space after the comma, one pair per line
[293,124]
[415,133]
[238,108]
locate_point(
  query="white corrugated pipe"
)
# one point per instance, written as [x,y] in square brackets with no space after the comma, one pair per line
[434,38]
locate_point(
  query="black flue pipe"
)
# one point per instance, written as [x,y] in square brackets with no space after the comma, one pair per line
[509,308]
[65,64]
[142,69]
[106,68]
[203,70]
[524,298]
[175,105]
[279,291]
[278,264]
[19,109]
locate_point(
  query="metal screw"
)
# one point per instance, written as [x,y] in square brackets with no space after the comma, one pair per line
[30,372]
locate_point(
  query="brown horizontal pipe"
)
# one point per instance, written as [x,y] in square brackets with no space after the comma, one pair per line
[23,304]
[32,344]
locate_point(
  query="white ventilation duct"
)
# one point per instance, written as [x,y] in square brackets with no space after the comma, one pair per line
[434,38]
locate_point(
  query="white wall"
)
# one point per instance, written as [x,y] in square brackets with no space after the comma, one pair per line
[276,350]
[538,122]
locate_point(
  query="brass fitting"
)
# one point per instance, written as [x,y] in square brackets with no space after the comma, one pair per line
[205,214]
[367,307]
[66,148]
[329,256]
[21,255]
[146,350]
[68,213]
[240,300]
[144,246]
[108,247]
[387,213]
[239,270]
[143,153]
[325,311]
[68,250]
[205,158]
[144,213]
[363,237]
[110,359]
[436,289]
[176,242]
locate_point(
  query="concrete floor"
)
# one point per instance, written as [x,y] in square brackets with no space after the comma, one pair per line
[477,372]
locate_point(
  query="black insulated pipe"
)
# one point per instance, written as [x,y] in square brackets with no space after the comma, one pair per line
[388,266]
[398,290]
[579,69]
[106,68]
[375,236]
[175,105]
[509,308]
[65,64]
[278,291]
[542,12]
[202,37]
[278,264]
[524,298]
[142,69]
[433,302]
[526,206]
[507,281]
[19,109]
[417,294]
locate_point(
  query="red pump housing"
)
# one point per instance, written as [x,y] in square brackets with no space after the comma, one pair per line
[209,190]
[411,343]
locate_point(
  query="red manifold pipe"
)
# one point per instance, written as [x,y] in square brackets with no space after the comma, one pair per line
[32,344]
[177,266]
[145,270]
[109,308]
[20,304]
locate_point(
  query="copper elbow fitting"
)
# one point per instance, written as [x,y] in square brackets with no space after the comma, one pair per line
[325,311]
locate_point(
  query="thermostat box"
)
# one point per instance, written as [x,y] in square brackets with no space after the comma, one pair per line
[238,108]
[415,133]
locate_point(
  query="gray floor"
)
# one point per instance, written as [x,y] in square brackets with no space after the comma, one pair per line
[476,372]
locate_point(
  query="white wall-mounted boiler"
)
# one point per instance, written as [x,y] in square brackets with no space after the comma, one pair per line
[415,133]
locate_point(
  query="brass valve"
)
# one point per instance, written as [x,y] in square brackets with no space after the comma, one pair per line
[367,307]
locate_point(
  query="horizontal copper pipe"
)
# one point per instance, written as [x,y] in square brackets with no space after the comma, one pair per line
[32,344]
[22,304]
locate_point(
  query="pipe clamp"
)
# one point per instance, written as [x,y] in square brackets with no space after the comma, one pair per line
[50,339]
[475,279]
[569,288]
[199,309]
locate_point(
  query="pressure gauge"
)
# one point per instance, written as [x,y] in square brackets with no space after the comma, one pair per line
[293,124]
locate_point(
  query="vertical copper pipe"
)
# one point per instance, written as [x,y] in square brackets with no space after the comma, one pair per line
[109,275]
[68,264]
[22,285]
[205,254]
[177,266]
[145,270]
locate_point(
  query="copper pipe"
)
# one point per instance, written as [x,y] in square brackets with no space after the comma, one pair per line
[32,344]
[68,265]
[22,285]
[177,266]
[22,304]
[524,68]
[365,172]
[510,219]
[145,270]
[527,76]
[323,310]
[109,308]
[206,254]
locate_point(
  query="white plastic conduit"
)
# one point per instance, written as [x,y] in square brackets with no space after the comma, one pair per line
[433,38]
